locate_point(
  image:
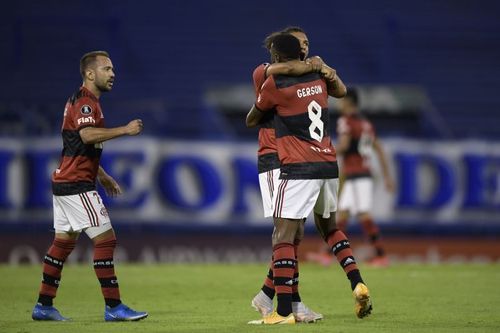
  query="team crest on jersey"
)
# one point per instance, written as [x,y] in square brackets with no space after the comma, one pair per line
[86,109]
[104,212]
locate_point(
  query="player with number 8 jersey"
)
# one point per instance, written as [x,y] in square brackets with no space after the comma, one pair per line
[309,174]
[302,125]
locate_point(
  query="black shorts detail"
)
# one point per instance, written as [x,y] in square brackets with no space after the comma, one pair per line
[310,170]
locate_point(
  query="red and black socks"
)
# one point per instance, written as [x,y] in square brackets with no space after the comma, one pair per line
[372,231]
[338,243]
[105,270]
[268,286]
[283,272]
[295,285]
[52,269]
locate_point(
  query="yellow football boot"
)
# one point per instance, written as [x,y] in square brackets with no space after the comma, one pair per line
[362,301]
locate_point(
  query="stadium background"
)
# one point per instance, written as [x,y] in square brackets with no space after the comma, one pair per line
[428,74]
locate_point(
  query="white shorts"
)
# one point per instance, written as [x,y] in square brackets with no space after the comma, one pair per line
[268,182]
[296,198]
[84,211]
[356,195]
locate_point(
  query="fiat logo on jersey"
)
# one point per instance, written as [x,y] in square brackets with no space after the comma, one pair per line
[86,109]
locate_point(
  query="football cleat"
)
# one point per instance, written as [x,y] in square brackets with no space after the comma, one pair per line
[274,318]
[305,315]
[362,301]
[41,312]
[262,303]
[123,313]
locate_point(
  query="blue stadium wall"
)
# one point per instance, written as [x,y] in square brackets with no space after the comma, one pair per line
[168,52]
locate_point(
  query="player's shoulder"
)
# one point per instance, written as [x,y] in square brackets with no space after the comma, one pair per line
[269,83]
[83,102]
[82,95]
[261,67]
[259,73]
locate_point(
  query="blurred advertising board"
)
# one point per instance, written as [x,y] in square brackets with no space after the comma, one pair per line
[200,201]
[215,183]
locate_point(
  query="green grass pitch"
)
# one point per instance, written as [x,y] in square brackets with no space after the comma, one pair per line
[216,298]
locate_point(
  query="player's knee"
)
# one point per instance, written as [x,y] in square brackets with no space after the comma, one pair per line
[107,239]
[283,235]
[282,238]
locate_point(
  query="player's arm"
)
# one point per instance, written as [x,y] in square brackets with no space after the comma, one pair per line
[295,67]
[91,135]
[344,141]
[254,117]
[265,103]
[344,136]
[336,88]
[389,183]
[108,183]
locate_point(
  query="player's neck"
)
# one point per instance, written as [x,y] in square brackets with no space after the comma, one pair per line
[93,89]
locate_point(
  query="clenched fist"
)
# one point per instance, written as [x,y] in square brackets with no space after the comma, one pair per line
[134,127]
[328,73]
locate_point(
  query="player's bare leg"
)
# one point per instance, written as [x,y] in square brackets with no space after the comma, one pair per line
[339,245]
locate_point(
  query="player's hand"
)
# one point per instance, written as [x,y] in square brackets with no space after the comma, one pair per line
[389,185]
[328,73]
[134,127]
[110,186]
[316,62]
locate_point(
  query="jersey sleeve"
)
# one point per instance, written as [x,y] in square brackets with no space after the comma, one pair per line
[343,126]
[266,98]
[86,113]
[259,76]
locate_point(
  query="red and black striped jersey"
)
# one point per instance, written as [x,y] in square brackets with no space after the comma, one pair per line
[356,159]
[77,171]
[268,152]
[302,125]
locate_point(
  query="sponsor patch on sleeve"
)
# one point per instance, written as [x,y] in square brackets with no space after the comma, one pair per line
[86,110]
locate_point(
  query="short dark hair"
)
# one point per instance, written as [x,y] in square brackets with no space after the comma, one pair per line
[286,46]
[291,29]
[89,58]
[268,41]
[352,94]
